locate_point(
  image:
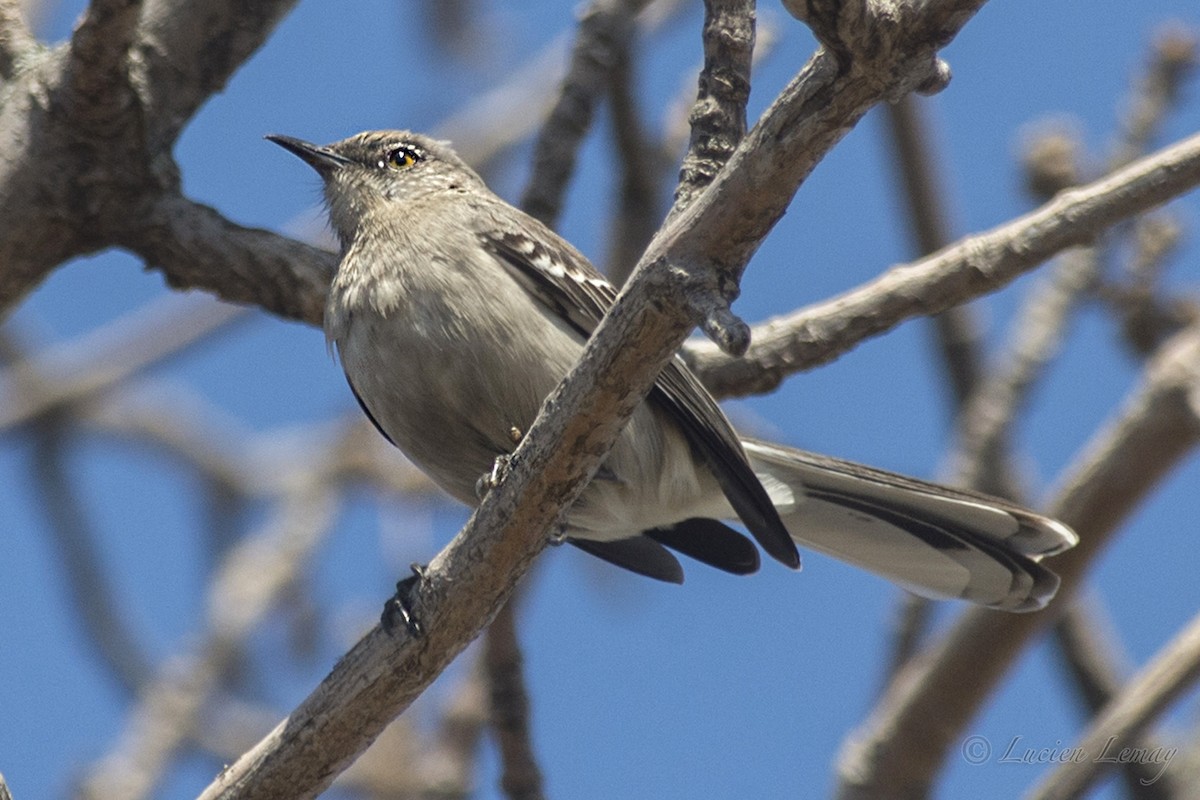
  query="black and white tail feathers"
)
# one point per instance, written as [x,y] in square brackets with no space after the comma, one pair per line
[935,541]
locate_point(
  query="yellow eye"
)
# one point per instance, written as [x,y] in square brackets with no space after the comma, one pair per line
[403,156]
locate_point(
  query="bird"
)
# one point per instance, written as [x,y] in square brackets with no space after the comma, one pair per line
[454,314]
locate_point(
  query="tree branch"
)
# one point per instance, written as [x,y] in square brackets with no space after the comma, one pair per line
[1087,644]
[104,358]
[521,778]
[958,339]
[188,240]
[16,41]
[973,266]
[96,67]
[604,28]
[718,125]
[718,117]
[90,592]
[188,49]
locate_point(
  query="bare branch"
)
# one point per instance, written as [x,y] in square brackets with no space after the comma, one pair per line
[957,331]
[96,68]
[89,588]
[510,111]
[900,748]
[972,267]
[1175,669]
[254,575]
[643,170]
[196,247]
[1088,645]
[1172,61]
[1037,335]
[603,29]
[104,358]
[718,117]
[521,779]
[446,767]
[188,49]
[718,124]
[16,41]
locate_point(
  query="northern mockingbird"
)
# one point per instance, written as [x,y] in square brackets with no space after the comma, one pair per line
[455,314]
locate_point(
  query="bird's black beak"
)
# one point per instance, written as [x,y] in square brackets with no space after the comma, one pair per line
[322,159]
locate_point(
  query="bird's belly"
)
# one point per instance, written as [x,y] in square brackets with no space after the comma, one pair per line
[454,399]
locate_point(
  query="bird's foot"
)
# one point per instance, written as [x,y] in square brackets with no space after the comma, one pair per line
[399,607]
[493,479]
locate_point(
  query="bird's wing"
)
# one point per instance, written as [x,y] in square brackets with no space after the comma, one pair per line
[562,279]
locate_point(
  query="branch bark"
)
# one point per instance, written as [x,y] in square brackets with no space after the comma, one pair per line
[967,269]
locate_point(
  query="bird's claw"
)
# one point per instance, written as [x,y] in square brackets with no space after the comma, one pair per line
[493,479]
[399,607]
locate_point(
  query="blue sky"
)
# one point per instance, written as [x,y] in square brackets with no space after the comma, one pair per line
[725,687]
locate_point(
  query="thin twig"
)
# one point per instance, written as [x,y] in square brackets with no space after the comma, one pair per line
[604,26]
[446,767]
[718,116]
[639,204]
[956,331]
[520,777]
[1037,336]
[1089,647]
[103,358]
[1156,95]
[1107,742]
[92,596]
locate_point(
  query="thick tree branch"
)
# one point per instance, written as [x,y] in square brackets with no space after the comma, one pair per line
[96,68]
[16,42]
[188,240]
[973,266]
[903,744]
[188,49]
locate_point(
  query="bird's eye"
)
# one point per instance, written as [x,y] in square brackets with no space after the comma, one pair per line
[402,157]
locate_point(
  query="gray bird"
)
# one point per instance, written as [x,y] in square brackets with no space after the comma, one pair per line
[455,314]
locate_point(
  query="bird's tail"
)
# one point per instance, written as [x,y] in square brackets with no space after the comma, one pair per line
[934,541]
